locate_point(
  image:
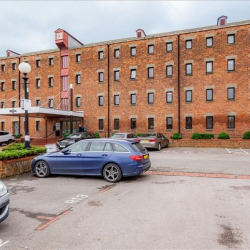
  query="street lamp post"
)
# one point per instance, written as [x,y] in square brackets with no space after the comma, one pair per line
[71,108]
[25,69]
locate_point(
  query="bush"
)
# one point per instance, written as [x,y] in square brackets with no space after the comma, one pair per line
[202,136]
[139,134]
[223,135]
[246,135]
[97,135]
[17,150]
[18,136]
[176,136]
[65,135]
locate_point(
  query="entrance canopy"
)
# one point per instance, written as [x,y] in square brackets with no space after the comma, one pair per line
[39,112]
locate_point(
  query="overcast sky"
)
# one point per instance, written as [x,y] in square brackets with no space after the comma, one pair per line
[28,26]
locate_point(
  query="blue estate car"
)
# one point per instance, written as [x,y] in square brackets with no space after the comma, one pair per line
[4,202]
[112,159]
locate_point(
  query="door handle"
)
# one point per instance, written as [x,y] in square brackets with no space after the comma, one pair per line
[104,155]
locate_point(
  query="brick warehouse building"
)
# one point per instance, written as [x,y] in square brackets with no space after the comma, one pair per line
[194,80]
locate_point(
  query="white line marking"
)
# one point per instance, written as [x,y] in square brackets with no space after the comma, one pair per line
[244,151]
[228,151]
[3,243]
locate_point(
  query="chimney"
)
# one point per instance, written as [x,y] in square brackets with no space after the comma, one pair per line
[10,53]
[222,20]
[140,33]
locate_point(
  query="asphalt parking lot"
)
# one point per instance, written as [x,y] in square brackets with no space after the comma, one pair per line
[146,212]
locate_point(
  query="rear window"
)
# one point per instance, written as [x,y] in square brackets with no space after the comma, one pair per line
[148,135]
[119,148]
[137,147]
[119,136]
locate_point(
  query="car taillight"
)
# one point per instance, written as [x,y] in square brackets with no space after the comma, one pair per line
[152,140]
[138,140]
[136,157]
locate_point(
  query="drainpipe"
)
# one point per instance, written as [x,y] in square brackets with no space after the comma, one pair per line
[179,91]
[19,96]
[108,95]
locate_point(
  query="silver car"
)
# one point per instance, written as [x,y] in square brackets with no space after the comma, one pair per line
[154,140]
[124,136]
[4,202]
[6,137]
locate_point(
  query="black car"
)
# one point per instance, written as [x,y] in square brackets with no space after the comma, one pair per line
[73,138]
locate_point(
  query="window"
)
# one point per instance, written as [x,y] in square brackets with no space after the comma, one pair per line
[97,146]
[150,123]
[2,126]
[100,76]
[13,104]
[133,51]
[189,122]
[13,85]
[209,94]
[231,93]
[169,123]
[38,102]
[116,124]
[169,47]
[133,99]
[188,95]
[209,67]
[117,53]
[78,79]
[38,126]
[13,66]
[151,49]
[231,121]
[133,123]
[38,83]
[2,105]
[209,122]
[100,100]
[100,124]
[169,96]
[119,148]
[78,102]
[51,103]
[189,69]
[150,98]
[209,41]
[38,63]
[150,72]
[133,74]
[2,86]
[117,75]
[3,67]
[51,81]
[65,62]
[230,65]
[231,39]
[116,99]
[78,147]
[188,44]
[100,55]
[169,70]
[78,57]
[51,61]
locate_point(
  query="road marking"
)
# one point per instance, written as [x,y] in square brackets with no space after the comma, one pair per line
[228,151]
[3,243]
[77,198]
[244,151]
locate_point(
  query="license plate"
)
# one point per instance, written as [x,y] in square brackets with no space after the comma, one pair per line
[144,140]
[145,157]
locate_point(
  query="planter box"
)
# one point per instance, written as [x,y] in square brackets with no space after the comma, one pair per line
[15,166]
[211,143]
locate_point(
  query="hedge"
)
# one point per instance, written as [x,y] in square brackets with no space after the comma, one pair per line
[17,150]
[202,136]
[176,136]
[246,135]
[223,135]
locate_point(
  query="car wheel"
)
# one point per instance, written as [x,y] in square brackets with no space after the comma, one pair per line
[159,147]
[9,142]
[42,169]
[112,173]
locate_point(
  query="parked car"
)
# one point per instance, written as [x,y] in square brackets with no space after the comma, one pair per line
[73,138]
[154,140]
[4,202]
[124,136]
[6,137]
[111,159]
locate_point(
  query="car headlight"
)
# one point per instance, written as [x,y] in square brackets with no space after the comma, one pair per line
[3,189]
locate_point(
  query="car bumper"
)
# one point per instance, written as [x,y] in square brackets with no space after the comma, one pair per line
[4,206]
[139,169]
[149,144]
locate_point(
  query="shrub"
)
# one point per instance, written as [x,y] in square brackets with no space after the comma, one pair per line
[223,135]
[65,135]
[246,135]
[97,135]
[17,150]
[18,136]
[139,134]
[176,136]
[195,136]
[206,136]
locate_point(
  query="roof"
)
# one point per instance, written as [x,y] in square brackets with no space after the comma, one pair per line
[171,33]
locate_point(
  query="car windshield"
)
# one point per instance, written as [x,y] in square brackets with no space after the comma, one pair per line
[137,147]
[148,135]
[74,136]
[118,136]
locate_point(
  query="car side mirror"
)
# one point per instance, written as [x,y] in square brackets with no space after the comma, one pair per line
[65,150]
